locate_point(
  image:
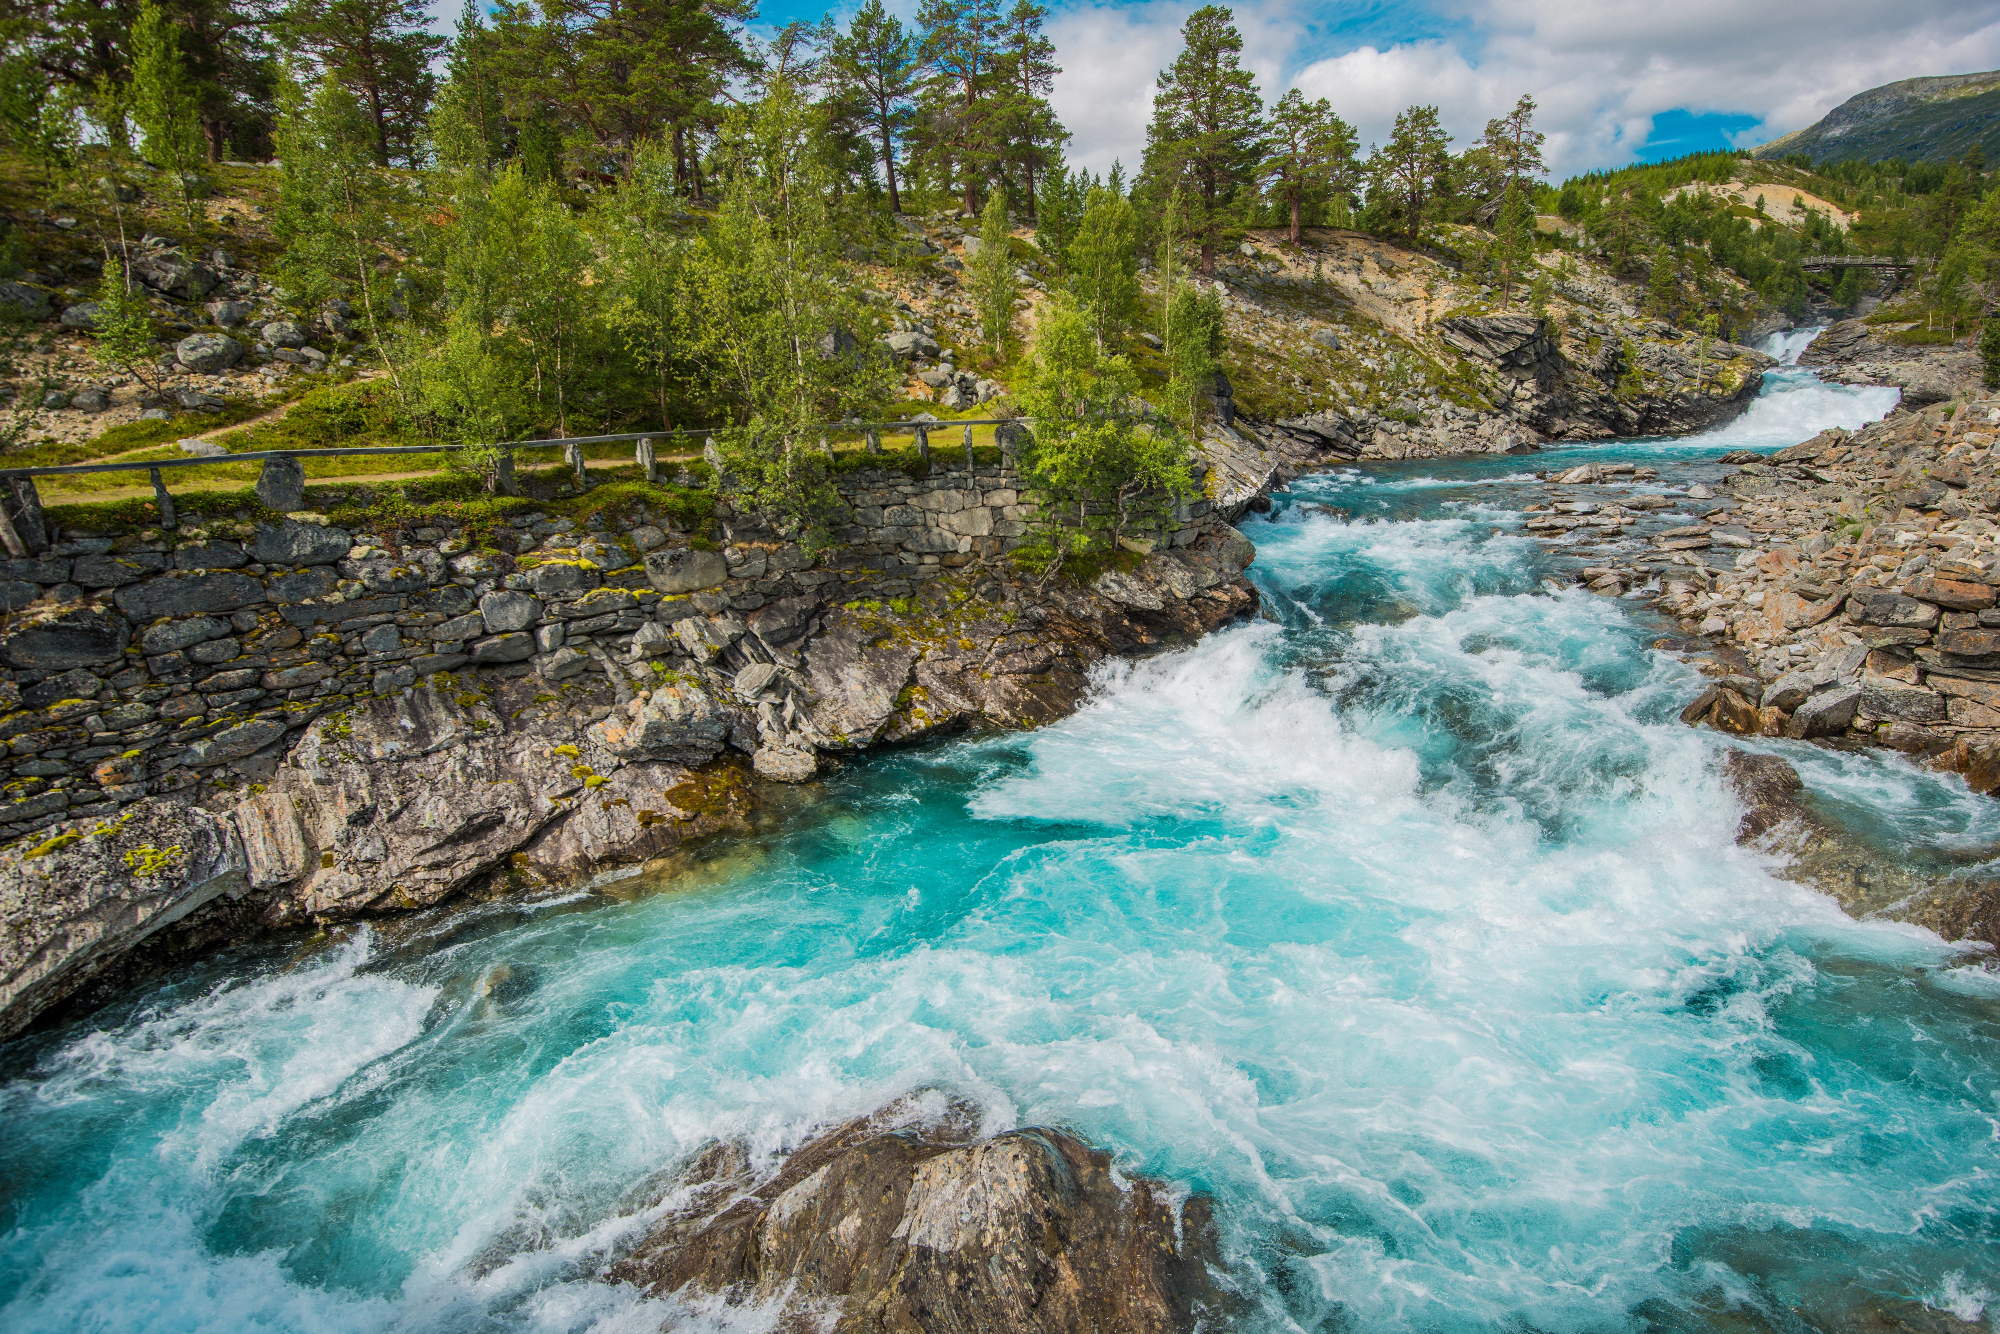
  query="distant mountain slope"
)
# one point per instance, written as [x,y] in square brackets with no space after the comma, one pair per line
[1933,119]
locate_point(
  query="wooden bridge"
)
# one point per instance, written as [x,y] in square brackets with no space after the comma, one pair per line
[1821,263]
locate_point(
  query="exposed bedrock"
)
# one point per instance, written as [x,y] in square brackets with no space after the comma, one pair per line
[902,1221]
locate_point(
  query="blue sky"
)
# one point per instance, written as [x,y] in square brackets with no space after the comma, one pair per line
[1616,81]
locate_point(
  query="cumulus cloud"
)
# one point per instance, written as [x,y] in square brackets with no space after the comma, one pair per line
[1601,71]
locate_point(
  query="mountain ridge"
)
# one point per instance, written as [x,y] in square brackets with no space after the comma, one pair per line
[1935,118]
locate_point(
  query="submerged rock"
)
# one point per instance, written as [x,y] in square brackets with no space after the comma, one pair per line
[914,1222]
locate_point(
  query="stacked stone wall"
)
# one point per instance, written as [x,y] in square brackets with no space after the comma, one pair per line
[156,661]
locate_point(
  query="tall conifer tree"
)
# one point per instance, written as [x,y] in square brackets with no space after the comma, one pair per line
[1206,133]
[1310,153]
[875,63]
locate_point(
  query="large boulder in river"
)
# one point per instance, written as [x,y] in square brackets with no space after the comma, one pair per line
[910,1220]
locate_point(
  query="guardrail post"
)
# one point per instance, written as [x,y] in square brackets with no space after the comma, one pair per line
[162,499]
[970,465]
[649,461]
[573,453]
[1008,436]
[874,441]
[924,445]
[825,448]
[503,474]
[22,506]
[281,485]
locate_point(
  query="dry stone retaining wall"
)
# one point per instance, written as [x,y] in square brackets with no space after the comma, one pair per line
[149,662]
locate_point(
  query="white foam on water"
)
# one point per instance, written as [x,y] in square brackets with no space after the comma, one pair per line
[1795,406]
[1787,344]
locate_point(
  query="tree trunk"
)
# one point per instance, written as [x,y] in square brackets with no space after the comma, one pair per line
[889,168]
[381,124]
[1208,259]
[1295,215]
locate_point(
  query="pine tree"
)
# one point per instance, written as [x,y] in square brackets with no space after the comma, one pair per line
[167,105]
[1661,289]
[333,205]
[961,43]
[1311,153]
[1515,144]
[1033,135]
[1989,350]
[467,121]
[994,285]
[1064,194]
[1205,136]
[1413,167]
[381,51]
[875,62]
[1513,238]
[1103,265]
[89,49]
[605,78]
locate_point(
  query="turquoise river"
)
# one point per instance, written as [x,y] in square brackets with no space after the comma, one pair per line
[1407,921]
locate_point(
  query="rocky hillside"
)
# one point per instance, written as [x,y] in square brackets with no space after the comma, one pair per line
[1392,340]
[1921,120]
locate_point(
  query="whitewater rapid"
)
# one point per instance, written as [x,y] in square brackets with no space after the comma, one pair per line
[1408,922]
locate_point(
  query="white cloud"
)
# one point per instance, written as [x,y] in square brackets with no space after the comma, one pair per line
[1600,70]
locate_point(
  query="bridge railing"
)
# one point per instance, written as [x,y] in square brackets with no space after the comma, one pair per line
[23,530]
[1854,262]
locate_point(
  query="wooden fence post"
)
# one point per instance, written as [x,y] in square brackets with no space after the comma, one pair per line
[649,461]
[162,499]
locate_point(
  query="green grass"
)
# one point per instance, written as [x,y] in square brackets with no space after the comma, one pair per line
[1922,337]
[448,500]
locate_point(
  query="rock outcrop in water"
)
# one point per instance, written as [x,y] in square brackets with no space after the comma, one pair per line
[895,1223]
[1853,352]
[1818,852]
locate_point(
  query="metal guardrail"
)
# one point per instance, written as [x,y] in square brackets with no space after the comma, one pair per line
[24,531]
[565,443]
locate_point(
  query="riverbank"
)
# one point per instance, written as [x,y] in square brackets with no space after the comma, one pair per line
[226,730]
